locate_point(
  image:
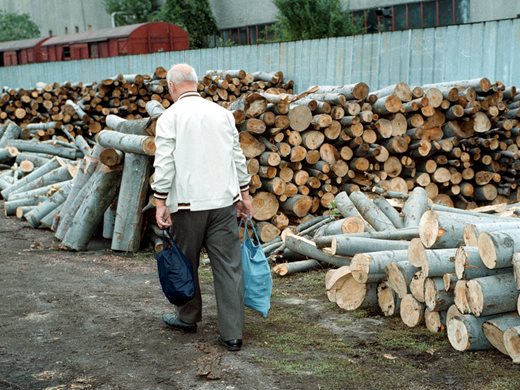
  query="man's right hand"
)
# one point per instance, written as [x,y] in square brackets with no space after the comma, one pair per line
[162,214]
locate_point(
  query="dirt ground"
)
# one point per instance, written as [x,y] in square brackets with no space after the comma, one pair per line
[91,320]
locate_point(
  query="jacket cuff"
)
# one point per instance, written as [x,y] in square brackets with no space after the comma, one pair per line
[244,188]
[160,195]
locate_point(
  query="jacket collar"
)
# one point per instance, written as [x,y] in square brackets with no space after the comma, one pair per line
[188,94]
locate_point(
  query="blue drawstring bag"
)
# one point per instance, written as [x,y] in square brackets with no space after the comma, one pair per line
[258,283]
[175,272]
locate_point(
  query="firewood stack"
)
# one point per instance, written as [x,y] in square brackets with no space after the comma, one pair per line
[448,269]
[66,151]
[456,140]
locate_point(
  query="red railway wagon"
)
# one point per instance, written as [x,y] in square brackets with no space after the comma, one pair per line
[110,42]
[25,51]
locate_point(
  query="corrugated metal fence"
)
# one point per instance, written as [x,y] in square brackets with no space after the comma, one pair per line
[416,56]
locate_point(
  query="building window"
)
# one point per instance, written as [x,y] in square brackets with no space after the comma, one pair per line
[432,13]
[76,29]
[66,52]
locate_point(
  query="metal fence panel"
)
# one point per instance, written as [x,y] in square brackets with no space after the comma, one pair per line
[416,56]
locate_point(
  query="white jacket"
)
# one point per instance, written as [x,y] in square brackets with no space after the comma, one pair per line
[199,164]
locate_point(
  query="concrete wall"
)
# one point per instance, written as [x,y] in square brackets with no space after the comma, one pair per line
[56,15]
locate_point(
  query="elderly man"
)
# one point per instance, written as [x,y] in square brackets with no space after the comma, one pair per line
[201,185]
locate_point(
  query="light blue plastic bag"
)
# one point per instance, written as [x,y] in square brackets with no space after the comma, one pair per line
[258,283]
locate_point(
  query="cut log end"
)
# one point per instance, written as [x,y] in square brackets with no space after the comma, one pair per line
[458,334]
[360,266]
[475,297]
[487,250]
[429,230]
[412,311]
[386,299]
[512,343]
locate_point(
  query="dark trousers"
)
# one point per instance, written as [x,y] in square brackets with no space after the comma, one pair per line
[217,231]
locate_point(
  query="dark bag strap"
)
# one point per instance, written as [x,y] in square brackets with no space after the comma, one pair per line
[167,239]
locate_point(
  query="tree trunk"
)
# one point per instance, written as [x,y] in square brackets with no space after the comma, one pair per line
[308,248]
[370,267]
[411,311]
[296,266]
[349,246]
[53,164]
[399,275]
[494,329]
[435,320]
[465,333]
[103,186]
[371,213]
[414,207]
[348,209]
[387,300]
[435,296]
[469,265]
[512,343]
[298,205]
[35,216]
[390,212]
[492,294]
[129,143]
[437,262]
[131,199]
[55,176]
[496,249]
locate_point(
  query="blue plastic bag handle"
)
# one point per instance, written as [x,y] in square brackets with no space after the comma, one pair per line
[170,236]
[249,221]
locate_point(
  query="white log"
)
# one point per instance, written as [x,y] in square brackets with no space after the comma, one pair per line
[350,246]
[497,248]
[494,329]
[103,187]
[469,265]
[512,343]
[415,206]
[399,275]
[48,220]
[132,198]
[129,143]
[348,209]
[411,311]
[12,132]
[308,248]
[472,231]
[465,333]
[56,162]
[436,297]
[388,301]
[34,217]
[390,212]
[48,148]
[58,175]
[438,262]
[370,267]
[492,294]
[370,212]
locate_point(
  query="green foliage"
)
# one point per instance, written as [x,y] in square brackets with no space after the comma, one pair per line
[313,19]
[194,16]
[15,26]
[130,11]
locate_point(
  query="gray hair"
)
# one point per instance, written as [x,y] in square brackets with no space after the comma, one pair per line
[180,73]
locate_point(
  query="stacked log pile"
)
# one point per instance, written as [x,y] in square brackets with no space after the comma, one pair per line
[448,269]
[69,166]
[456,140]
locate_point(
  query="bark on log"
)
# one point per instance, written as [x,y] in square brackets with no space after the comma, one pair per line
[370,267]
[131,199]
[35,215]
[350,246]
[469,265]
[47,148]
[492,294]
[494,329]
[296,266]
[348,209]
[103,186]
[414,207]
[128,143]
[390,212]
[465,333]
[496,249]
[308,248]
[55,176]
[436,297]
[370,212]
[399,275]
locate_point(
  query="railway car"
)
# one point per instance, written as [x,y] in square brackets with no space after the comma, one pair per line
[108,42]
